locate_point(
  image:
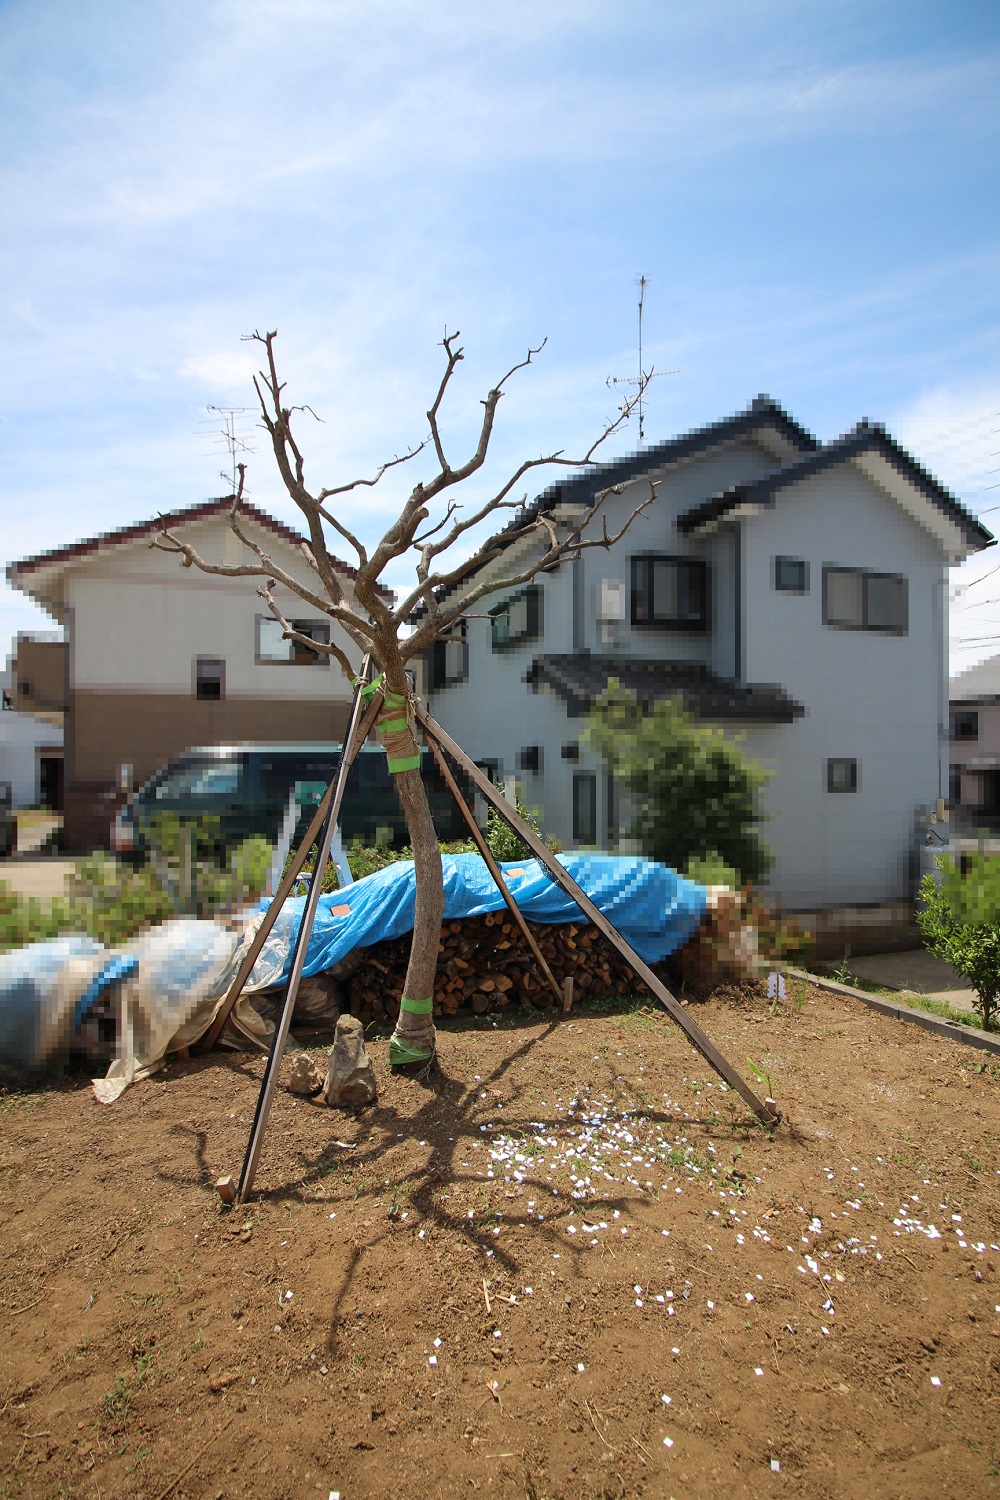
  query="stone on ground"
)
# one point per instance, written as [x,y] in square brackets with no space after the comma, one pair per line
[350,1079]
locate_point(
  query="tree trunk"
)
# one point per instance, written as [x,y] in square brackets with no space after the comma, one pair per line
[413,1038]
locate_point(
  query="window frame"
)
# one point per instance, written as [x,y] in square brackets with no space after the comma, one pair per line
[437,658]
[867,577]
[957,714]
[641,586]
[854,777]
[305,658]
[585,780]
[200,682]
[532,593]
[789,588]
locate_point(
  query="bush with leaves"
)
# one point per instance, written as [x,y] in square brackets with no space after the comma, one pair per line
[111,900]
[959,916]
[694,793]
[203,875]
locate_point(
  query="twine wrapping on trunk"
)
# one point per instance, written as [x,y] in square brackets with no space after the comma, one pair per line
[396,734]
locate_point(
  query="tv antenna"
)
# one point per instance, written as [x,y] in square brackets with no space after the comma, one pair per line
[233,438]
[642,378]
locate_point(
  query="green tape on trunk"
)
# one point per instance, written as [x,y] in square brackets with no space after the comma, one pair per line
[371,689]
[417,1007]
[412,763]
[393,726]
[394,700]
[400,1053]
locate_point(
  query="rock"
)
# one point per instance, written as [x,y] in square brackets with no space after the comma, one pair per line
[303,1075]
[350,1079]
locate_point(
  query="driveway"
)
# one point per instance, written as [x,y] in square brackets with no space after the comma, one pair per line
[42,875]
[917,971]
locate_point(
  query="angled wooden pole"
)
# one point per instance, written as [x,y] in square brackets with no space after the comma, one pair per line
[692,1030]
[287,882]
[492,866]
[338,786]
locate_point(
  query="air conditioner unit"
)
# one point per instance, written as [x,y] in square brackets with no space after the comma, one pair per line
[611,601]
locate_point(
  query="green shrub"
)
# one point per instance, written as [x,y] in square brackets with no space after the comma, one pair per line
[959,916]
[694,794]
[711,869]
[111,901]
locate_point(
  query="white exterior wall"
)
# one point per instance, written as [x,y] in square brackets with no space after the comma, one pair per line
[874,697]
[494,714]
[878,698]
[680,488]
[140,620]
[21,737]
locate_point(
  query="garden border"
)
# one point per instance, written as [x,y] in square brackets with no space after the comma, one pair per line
[970,1035]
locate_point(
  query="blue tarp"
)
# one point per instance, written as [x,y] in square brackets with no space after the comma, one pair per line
[655,909]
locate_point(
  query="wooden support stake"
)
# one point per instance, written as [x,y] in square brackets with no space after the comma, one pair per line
[697,1037]
[284,889]
[494,868]
[336,789]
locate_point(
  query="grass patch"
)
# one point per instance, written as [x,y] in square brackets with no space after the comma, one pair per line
[910,998]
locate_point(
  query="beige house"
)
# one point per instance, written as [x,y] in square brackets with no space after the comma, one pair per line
[160,656]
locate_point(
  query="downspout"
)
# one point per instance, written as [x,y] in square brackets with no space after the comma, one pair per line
[940,626]
[738,622]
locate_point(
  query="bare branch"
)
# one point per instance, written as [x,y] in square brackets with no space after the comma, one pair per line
[342,489]
[292,634]
[452,357]
[571,547]
[167,541]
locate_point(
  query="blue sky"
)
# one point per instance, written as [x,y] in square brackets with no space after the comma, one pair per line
[811,189]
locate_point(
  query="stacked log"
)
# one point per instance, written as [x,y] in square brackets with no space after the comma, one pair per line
[485,965]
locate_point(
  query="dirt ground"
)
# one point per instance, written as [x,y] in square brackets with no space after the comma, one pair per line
[561,1267]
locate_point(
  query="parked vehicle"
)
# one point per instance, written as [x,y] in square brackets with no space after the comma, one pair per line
[249,789]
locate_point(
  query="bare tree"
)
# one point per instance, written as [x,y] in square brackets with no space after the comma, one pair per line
[429,525]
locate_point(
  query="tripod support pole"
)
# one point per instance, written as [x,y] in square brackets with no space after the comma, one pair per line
[694,1033]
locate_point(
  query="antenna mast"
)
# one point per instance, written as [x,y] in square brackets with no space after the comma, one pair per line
[641,378]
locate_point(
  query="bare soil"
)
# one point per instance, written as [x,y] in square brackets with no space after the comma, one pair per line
[564,1265]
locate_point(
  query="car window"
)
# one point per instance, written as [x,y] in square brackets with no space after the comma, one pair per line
[217,778]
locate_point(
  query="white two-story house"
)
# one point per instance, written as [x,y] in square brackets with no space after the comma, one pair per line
[791,591]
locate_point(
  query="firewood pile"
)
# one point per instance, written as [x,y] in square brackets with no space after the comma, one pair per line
[484,964]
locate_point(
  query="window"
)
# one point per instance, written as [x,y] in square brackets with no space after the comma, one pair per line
[584,808]
[272,647]
[965,724]
[215,778]
[529,758]
[670,593]
[448,659]
[955,786]
[842,775]
[571,751]
[791,575]
[490,768]
[519,618]
[210,679]
[856,600]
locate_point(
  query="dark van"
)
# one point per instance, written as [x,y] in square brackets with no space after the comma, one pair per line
[249,788]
